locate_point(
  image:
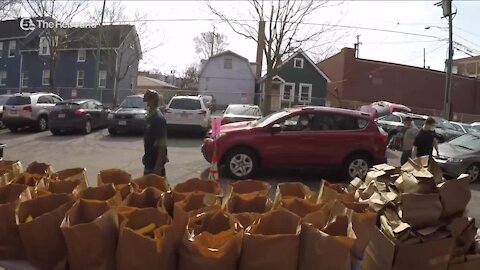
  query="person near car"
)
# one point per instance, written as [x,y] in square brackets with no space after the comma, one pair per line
[425,141]
[409,133]
[155,136]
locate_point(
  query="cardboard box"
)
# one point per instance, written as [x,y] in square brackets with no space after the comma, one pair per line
[383,254]
[468,265]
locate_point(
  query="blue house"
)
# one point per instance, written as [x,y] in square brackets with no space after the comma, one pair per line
[26,61]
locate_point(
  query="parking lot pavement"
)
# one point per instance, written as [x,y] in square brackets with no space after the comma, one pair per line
[98,151]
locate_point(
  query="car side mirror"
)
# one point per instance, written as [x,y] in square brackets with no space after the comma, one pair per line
[276,128]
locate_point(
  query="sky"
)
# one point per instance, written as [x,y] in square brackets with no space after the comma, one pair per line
[169,44]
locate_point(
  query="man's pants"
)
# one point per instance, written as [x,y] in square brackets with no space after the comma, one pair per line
[147,171]
[406,154]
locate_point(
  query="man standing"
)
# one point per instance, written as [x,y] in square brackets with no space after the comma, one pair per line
[409,133]
[425,140]
[155,137]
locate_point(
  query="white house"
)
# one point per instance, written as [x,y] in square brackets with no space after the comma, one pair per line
[228,77]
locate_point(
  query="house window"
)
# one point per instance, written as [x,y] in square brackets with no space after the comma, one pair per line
[102,79]
[305,93]
[1,49]
[288,91]
[12,47]
[46,77]
[3,78]
[298,62]
[44,47]
[82,55]
[80,78]
[24,79]
[227,63]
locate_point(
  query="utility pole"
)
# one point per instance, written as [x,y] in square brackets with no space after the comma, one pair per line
[357,47]
[423,57]
[99,44]
[447,12]
[213,41]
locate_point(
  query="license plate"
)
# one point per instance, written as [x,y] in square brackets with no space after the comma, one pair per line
[184,115]
[13,112]
[122,123]
[61,115]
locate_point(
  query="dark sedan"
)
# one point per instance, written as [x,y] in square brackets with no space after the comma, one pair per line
[130,116]
[460,155]
[241,112]
[78,114]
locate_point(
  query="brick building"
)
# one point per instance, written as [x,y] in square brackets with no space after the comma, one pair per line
[356,81]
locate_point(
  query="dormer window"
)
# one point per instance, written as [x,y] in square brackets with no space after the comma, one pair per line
[82,55]
[44,46]
[298,62]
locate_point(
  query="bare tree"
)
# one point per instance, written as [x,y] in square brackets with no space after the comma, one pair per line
[210,43]
[287,26]
[9,9]
[191,77]
[128,54]
[56,37]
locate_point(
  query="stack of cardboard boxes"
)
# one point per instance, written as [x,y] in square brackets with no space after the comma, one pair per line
[422,221]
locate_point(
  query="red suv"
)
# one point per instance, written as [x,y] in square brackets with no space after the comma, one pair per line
[308,137]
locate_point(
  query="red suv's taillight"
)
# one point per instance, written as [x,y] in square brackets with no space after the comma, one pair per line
[80,112]
[27,109]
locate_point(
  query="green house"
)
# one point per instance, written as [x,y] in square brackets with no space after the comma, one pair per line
[297,81]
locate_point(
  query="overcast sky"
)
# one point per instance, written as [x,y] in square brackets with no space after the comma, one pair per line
[177,51]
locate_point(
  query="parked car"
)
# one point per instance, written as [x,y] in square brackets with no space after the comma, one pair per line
[475,126]
[131,115]
[394,122]
[29,110]
[3,101]
[445,130]
[210,102]
[241,112]
[334,137]
[187,112]
[463,127]
[460,155]
[84,115]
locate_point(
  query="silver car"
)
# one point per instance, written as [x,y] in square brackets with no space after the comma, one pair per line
[460,155]
[29,110]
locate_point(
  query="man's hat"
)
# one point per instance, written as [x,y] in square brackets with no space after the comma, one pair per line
[150,95]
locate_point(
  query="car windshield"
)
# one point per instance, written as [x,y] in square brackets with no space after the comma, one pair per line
[18,100]
[475,128]
[419,122]
[133,102]
[3,99]
[445,124]
[241,110]
[468,141]
[67,105]
[264,121]
[185,104]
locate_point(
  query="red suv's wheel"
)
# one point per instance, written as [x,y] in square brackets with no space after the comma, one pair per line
[241,163]
[357,166]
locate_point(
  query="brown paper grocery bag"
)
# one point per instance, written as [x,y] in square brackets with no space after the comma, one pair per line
[319,250]
[420,210]
[181,190]
[6,176]
[148,197]
[40,168]
[90,229]
[194,204]
[272,242]
[293,190]
[331,192]
[106,193]
[145,241]
[152,180]
[299,207]
[73,174]
[260,188]
[39,225]
[12,165]
[454,196]
[120,178]
[247,208]
[73,187]
[11,246]
[35,182]
[213,241]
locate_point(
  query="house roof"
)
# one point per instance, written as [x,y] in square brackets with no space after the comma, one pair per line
[466,59]
[10,29]
[300,51]
[227,52]
[113,35]
[147,82]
